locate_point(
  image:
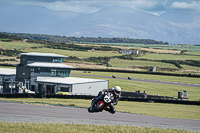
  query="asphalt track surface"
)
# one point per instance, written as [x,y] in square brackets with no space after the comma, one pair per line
[31,113]
[144,80]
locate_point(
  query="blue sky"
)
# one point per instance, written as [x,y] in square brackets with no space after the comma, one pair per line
[155,7]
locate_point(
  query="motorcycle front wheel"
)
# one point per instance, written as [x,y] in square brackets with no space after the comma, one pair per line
[99,106]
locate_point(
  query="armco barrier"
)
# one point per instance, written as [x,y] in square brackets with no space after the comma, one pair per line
[123,98]
[161,101]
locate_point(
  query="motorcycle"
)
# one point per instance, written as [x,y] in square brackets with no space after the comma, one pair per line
[101,103]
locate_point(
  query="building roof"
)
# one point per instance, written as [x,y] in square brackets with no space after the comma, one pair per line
[43,54]
[49,65]
[67,80]
[7,72]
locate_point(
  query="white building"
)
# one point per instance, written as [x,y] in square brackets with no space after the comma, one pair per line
[72,85]
[129,51]
[7,80]
[45,73]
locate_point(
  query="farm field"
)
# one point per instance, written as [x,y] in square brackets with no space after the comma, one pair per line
[139,63]
[129,63]
[187,67]
[17,45]
[157,46]
[169,57]
[80,54]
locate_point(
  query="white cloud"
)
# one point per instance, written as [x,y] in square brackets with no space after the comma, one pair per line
[75,6]
[91,6]
[194,5]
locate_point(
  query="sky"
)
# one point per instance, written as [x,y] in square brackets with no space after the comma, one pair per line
[155,7]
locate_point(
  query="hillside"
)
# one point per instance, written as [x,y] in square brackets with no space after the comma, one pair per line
[104,57]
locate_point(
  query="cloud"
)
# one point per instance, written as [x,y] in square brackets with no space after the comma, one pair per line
[193,5]
[75,6]
[91,6]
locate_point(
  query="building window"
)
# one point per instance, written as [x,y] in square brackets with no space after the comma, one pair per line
[60,73]
[58,60]
[66,73]
[65,89]
[53,72]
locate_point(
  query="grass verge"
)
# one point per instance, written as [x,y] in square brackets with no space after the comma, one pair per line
[8,127]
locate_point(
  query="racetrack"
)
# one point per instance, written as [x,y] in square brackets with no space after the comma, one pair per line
[144,80]
[19,112]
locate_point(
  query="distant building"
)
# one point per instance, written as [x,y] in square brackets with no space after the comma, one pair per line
[129,51]
[7,78]
[45,73]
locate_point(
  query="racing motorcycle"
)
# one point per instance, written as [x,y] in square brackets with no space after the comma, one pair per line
[101,103]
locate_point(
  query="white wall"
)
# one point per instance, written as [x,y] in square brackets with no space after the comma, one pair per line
[92,88]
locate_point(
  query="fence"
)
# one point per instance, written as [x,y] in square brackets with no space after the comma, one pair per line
[126,96]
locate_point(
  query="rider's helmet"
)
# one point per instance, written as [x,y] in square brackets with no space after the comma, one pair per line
[117,90]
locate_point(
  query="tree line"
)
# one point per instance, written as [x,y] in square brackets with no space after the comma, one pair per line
[56,38]
[9,38]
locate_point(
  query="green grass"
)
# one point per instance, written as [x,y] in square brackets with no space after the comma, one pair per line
[9,127]
[169,57]
[150,88]
[142,108]
[80,54]
[128,63]
[157,46]
[160,109]
[187,67]
[194,53]
[7,67]
[17,45]
[190,80]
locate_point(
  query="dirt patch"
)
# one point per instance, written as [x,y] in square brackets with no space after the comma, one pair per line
[87,65]
[161,50]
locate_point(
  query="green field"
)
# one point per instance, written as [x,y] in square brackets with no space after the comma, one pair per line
[129,63]
[17,45]
[114,62]
[187,67]
[157,46]
[80,54]
[150,88]
[169,57]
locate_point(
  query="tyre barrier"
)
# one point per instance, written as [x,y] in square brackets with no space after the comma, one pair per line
[89,97]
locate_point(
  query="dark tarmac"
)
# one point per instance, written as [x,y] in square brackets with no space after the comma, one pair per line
[144,80]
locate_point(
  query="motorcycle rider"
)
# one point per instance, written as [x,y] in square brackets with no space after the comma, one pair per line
[116,92]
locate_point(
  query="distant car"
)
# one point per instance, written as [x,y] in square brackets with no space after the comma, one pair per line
[113,76]
[129,78]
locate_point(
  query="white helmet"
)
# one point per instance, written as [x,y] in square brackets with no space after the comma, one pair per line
[117,90]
